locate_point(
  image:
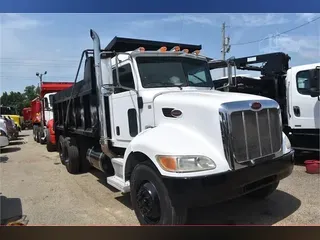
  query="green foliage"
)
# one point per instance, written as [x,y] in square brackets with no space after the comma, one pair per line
[18,100]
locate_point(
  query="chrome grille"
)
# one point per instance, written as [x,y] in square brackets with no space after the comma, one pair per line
[255,134]
[248,135]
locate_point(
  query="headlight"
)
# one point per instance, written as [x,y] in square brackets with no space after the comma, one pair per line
[185,163]
[287,142]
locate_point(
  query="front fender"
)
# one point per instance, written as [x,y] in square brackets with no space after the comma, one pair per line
[173,139]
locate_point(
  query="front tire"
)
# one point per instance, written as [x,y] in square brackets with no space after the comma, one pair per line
[263,192]
[150,199]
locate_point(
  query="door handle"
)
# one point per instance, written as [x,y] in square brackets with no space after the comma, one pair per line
[296,111]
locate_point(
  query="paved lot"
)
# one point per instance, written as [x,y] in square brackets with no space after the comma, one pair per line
[34,182]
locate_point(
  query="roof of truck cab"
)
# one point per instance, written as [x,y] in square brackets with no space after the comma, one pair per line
[120,44]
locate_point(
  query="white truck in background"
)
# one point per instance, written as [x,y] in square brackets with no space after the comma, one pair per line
[146,114]
[296,89]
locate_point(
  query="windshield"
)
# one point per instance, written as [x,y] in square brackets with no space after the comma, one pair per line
[173,71]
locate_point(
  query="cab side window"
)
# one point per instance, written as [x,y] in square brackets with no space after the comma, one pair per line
[125,78]
[303,82]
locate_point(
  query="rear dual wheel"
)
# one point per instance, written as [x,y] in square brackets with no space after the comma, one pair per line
[69,154]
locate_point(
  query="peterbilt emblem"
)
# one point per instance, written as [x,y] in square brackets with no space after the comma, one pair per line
[176,113]
[255,106]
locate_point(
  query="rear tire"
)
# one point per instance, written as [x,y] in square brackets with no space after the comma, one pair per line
[73,159]
[150,199]
[263,192]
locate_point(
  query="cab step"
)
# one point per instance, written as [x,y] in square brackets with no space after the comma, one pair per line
[119,184]
[117,180]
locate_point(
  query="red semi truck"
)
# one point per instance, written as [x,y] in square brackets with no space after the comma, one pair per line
[42,117]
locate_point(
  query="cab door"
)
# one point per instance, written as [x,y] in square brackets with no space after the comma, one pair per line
[125,107]
[304,109]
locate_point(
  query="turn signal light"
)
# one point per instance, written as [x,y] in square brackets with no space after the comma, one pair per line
[168,163]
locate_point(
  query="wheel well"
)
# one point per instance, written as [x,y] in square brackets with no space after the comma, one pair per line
[133,160]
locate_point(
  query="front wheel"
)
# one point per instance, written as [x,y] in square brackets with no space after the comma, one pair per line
[50,146]
[150,199]
[263,192]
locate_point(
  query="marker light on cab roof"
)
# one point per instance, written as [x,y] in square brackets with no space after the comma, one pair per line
[186,50]
[140,49]
[196,52]
[162,49]
[175,49]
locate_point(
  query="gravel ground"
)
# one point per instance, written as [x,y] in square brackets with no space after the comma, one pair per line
[34,182]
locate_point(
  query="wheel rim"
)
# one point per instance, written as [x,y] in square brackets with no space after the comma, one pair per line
[149,203]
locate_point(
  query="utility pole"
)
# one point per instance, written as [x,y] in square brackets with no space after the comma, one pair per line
[225,45]
[39,75]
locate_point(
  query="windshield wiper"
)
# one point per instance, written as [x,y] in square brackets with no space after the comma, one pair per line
[200,79]
[166,84]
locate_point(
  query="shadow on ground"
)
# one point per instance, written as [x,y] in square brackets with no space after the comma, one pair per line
[23,135]
[9,149]
[300,157]
[243,211]
[102,179]
[11,209]
[16,143]
[3,159]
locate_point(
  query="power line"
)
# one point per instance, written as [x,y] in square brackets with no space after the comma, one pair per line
[276,35]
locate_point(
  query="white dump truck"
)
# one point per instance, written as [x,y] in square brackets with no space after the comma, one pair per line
[147,115]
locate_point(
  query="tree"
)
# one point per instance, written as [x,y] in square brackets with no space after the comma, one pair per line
[18,100]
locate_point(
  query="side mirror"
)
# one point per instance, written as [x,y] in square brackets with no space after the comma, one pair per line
[315,82]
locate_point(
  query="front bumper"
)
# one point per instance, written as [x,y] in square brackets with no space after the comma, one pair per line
[194,192]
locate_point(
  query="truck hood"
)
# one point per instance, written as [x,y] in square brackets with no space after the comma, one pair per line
[205,99]
[200,111]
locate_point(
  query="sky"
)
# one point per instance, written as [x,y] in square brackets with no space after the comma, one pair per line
[31,43]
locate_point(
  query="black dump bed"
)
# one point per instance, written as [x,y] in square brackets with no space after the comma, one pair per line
[83,113]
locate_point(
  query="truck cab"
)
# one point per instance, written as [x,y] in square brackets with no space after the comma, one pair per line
[48,103]
[147,115]
[303,108]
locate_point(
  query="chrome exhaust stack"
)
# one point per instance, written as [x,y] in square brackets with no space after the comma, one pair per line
[102,110]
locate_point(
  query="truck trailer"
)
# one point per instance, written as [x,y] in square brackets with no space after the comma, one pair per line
[146,115]
[296,89]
